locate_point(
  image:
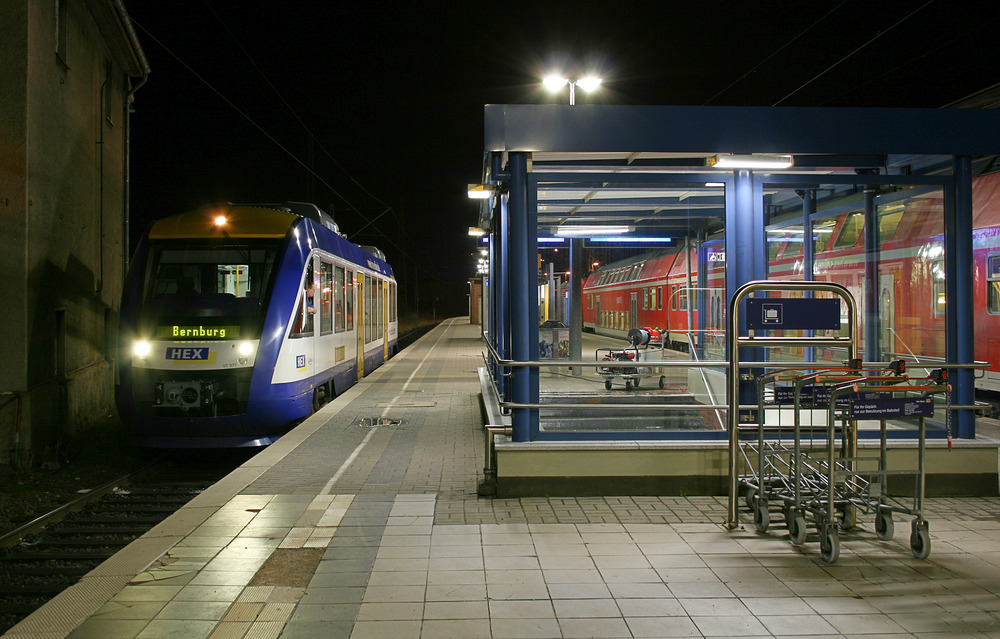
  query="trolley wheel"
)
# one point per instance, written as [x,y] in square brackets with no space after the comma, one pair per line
[635,383]
[883,524]
[607,383]
[628,384]
[847,517]
[761,516]
[829,544]
[797,530]
[751,498]
[920,541]
[663,382]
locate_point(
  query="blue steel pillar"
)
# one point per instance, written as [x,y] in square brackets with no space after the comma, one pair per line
[959,323]
[523,286]
[746,256]
[869,326]
[499,329]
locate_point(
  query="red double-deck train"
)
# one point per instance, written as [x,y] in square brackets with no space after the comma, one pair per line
[662,290]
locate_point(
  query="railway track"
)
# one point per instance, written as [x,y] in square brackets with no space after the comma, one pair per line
[51,553]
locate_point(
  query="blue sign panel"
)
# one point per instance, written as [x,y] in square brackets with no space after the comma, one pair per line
[883,408]
[793,313]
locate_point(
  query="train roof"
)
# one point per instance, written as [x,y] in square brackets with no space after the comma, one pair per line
[246,221]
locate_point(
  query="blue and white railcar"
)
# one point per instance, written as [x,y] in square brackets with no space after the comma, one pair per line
[238,321]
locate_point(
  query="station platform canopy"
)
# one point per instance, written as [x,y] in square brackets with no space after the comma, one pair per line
[736,174]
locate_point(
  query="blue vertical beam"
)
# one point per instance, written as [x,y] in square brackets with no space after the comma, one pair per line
[523,298]
[808,254]
[743,239]
[870,324]
[959,323]
[498,291]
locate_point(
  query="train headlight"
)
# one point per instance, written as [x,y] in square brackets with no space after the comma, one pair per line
[141,348]
[244,349]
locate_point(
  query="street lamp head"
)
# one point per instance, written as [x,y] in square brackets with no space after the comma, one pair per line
[554,82]
[589,83]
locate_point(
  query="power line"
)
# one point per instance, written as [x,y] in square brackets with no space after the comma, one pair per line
[877,36]
[244,114]
[776,52]
[294,113]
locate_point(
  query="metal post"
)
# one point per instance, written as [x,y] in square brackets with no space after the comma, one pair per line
[524,298]
[704,296]
[576,302]
[872,352]
[808,254]
[959,325]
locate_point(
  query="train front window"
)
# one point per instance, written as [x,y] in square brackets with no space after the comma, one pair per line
[192,277]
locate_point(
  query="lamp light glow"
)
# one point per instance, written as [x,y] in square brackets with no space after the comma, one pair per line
[480,191]
[567,231]
[735,161]
[475,231]
[220,220]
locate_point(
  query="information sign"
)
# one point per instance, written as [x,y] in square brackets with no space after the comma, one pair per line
[793,313]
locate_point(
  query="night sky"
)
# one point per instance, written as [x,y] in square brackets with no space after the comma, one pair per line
[374,110]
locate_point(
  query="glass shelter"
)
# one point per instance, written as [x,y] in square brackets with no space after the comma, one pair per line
[629,229]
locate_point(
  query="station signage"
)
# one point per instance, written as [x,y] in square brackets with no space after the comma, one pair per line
[792,313]
[889,407]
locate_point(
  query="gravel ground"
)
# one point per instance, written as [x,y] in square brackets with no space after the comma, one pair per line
[84,462]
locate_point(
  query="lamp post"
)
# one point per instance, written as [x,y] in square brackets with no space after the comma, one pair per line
[556,82]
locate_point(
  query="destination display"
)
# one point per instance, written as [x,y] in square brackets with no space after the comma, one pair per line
[175,331]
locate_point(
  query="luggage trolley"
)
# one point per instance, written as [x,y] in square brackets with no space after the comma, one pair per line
[779,470]
[850,487]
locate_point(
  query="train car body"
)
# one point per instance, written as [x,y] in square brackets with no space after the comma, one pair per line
[660,290]
[239,321]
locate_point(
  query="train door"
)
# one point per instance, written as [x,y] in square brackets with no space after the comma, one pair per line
[361,323]
[887,312]
[635,310]
[597,313]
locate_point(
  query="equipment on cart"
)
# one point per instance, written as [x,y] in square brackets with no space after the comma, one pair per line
[630,369]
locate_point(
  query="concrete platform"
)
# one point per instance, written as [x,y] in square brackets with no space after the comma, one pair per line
[343,530]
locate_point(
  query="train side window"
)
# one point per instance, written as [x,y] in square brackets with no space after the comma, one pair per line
[302,323]
[645,299]
[937,288]
[349,299]
[338,300]
[392,302]
[682,299]
[659,298]
[853,226]
[673,297]
[326,297]
[993,284]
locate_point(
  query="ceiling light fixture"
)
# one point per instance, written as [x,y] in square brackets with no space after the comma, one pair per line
[734,161]
[579,230]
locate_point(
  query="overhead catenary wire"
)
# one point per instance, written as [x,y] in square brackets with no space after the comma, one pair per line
[776,52]
[295,114]
[852,53]
[245,115]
